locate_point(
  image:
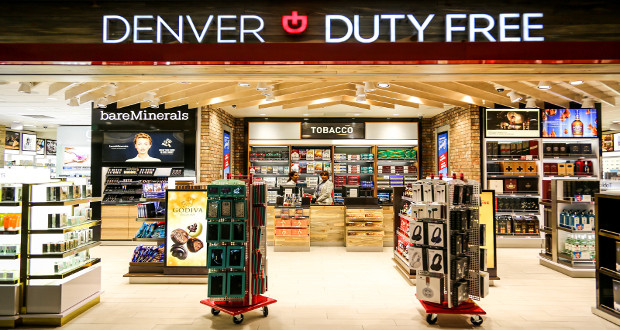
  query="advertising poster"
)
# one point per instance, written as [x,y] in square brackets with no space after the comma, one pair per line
[569,123]
[147,147]
[40,146]
[11,140]
[29,142]
[609,142]
[226,153]
[50,147]
[512,122]
[73,156]
[616,143]
[186,225]
[442,153]
[487,216]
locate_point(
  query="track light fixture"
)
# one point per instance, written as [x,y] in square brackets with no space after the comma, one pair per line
[544,85]
[25,87]
[102,102]
[587,103]
[530,102]
[369,86]
[514,96]
[74,102]
[261,86]
[110,89]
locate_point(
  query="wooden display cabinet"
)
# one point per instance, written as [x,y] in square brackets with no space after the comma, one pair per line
[364,229]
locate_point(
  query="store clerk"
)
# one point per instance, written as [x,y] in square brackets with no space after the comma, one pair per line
[323,191]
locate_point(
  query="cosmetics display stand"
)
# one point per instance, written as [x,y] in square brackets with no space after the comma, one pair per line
[61,279]
[569,228]
[444,239]
[10,240]
[607,258]
[237,257]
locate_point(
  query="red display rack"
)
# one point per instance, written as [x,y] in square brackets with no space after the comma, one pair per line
[467,308]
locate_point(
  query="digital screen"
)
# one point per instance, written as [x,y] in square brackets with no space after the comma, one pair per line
[186,229]
[144,147]
[512,122]
[442,153]
[570,123]
[608,142]
[29,142]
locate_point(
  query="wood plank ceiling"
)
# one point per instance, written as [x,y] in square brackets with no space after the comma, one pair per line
[313,95]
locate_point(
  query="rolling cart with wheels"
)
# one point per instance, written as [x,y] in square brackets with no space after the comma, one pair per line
[236,234]
[467,308]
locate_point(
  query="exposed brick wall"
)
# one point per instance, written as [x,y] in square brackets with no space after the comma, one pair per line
[464,138]
[211,143]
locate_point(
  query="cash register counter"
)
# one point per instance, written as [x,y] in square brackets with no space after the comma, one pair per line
[327,225]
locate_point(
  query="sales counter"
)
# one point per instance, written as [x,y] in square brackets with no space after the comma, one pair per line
[327,225]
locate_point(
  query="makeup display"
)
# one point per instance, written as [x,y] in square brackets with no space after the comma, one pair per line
[127,185]
[235,241]
[569,224]
[364,228]
[439,237]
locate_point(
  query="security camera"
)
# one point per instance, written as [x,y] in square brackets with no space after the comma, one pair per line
[234,106]
[499,89]
[45,126]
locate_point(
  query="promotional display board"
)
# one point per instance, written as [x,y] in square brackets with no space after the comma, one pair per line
[12,140]
[609,142]
[226,153]
[50,147]
[29,142]
[332,130]
[148,147]
[512,123]
[186,225]
[40,146]
[487,218]
[442,153]
[569,123]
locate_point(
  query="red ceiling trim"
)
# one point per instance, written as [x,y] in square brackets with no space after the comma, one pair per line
[313,53]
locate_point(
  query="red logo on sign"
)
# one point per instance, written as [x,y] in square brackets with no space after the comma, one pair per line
[290,23]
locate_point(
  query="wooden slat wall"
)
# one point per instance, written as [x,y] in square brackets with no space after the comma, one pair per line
[388,226]
[115,221]
[270,224]
[327,225]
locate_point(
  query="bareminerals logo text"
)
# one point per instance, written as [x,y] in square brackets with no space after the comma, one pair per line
[142,115]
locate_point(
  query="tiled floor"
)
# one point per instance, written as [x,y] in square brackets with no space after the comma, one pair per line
[329,288]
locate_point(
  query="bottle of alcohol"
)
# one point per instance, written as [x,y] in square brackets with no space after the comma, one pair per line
[577,126]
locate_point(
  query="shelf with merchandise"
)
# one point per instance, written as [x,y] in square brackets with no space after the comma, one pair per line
[87,224]
[67,272]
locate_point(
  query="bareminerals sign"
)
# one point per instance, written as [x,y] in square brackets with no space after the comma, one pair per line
[331,28]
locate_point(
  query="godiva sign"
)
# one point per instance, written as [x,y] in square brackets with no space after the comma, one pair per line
[335,28]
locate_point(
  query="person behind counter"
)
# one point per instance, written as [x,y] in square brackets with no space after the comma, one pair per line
[293,176]
[323,191]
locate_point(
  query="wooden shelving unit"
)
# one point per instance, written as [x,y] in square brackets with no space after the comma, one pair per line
[292,232]
[364,228]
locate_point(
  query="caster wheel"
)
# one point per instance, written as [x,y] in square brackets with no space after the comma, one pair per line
[431,318]
[215,311]
[237,319]
[265,311]
[476,320]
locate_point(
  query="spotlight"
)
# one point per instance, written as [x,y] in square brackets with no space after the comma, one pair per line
[530,102]
[360,98]
[102,102]
[74,102]
[514,96]
[368,86]
[154,103]
[383,85]
[18,126]
[244,84]
[587,103]
[269,98]
[110,89]
[360,91]
[268,91]
[261,86]
[25,87]
[544,85]
[576,82]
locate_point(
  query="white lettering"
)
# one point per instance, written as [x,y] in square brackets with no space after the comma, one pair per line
[419,27]
[243,31]
[484,30]
[503,27]
[221,28]
[450,28]
[527,27]
[204,29]
[106,19]
[392,19]
[160,22]
[137,28]
[104,116]
[356,29]
[328,28]
[313,129]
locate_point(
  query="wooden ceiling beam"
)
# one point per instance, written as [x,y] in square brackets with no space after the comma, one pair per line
[614,86]
[560,89]
[402,97]
[595,93]
[527,90]
[412,89]
[324,104]
[82,88]
[307,98]
[57,87]
[357,104]
[135,94]
[373,100]
[488,98]
[194,97]
[310,102]
[448,93]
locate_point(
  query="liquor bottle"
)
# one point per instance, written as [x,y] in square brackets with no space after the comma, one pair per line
[577,126]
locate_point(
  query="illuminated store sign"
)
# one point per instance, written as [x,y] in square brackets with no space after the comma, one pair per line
[505,27]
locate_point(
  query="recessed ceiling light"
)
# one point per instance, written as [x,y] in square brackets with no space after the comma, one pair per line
[261,86]
[263,114]
[356,114]
[544,85]
[52,98]
[244,84]
[396,114]
[185,82]
[306,114]
[576,82]
[383,85]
